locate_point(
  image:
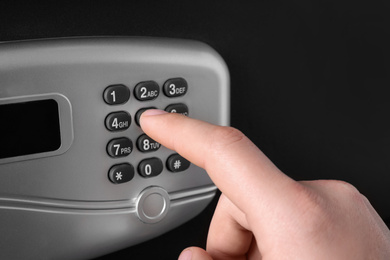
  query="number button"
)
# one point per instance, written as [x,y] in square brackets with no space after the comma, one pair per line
[121,173]
[177,108]
[150,167]
[118,121]
[116,94]
[147,90]
[139,113]
[146,144]
[119,147]
[176,163]
[175,87]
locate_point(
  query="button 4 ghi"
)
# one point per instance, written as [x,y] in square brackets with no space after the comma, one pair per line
[118,121]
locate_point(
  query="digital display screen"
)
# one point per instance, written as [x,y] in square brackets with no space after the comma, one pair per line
[29,128]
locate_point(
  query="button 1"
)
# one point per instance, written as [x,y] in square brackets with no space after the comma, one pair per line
[121,173]
[177,163]
[118,121]
[116,94]
[146,144]
[119,147]
[139,113]
[150,167]
[146,90]
[177,108]
[175,87]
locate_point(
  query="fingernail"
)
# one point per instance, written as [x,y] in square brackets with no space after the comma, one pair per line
[186,255]
[154,112]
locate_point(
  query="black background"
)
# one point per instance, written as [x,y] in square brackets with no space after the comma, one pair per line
[309,80]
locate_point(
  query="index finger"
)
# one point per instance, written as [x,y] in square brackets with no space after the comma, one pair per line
[237,167]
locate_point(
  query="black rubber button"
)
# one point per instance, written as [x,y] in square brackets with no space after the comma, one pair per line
[150,167]
[146,90]
[121,173]
[177,163]
[119,147]
[118,121]
[146,144]
[116,94]
[175,87]
[177,108]
[139,113]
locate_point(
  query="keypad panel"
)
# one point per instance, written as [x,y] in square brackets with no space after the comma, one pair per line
[119,121]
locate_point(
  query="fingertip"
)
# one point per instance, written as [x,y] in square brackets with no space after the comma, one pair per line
[150,113]
[186,255]
[194,253]
[153,112]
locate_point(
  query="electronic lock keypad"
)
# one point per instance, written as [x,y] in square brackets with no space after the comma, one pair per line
[79,178]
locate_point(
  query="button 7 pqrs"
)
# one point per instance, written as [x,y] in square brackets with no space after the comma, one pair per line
[119,147]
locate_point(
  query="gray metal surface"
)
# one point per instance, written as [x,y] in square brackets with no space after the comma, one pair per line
[62,205]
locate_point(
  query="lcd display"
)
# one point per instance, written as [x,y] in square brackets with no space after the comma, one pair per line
[29,128]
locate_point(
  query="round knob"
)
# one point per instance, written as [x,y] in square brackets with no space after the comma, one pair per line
[152,205]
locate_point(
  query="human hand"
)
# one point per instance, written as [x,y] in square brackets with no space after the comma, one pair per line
[262,213]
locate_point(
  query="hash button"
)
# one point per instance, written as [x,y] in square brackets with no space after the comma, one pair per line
[176,163]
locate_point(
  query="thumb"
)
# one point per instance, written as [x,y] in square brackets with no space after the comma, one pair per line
[194,253]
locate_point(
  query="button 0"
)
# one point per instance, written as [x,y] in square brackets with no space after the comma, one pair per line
[177,108]
[146,90]
[116,94]
[146,144]
[177,163]
[121,173]
[118,121]
[175,87]
[119,147]
[150,167]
